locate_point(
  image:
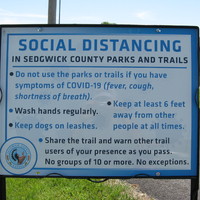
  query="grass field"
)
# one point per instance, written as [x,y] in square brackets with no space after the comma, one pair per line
[63,189]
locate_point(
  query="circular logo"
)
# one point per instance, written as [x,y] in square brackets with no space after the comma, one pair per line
[18,156]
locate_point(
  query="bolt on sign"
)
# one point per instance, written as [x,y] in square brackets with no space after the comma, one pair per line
[99,101]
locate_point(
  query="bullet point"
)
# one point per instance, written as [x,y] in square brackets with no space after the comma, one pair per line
[11,73]
[10,124]
[108,103]
[40,140]
[10,110]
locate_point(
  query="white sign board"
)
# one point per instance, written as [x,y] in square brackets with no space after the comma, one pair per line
[97,101]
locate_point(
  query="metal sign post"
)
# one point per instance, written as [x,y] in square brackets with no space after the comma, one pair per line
[2,188]
[194,188]
[52,11]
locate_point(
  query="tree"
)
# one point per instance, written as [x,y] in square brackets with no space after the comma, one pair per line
[107,23]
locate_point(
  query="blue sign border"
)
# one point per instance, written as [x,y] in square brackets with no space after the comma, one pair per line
[115,29]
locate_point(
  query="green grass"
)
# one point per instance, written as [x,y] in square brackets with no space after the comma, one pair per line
[62,189]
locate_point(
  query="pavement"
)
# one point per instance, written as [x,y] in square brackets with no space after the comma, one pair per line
[164,189]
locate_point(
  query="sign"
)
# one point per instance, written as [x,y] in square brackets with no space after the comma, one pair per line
[99,101]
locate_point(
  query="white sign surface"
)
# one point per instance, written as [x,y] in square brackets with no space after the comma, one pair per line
[98,101]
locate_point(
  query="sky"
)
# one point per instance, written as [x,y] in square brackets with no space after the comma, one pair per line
[140,12]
